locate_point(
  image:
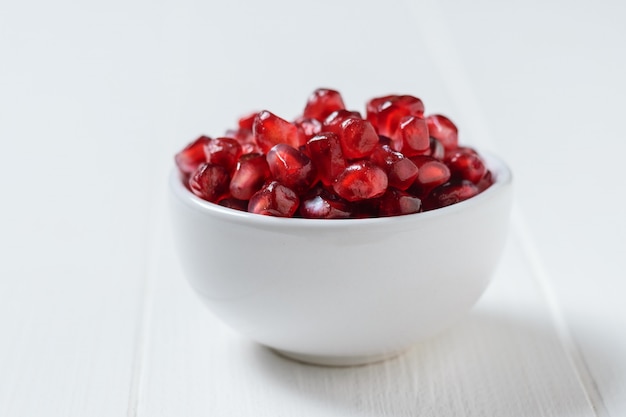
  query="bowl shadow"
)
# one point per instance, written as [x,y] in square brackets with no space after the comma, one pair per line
[488,364]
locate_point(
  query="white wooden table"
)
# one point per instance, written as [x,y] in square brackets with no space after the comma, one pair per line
[95,316]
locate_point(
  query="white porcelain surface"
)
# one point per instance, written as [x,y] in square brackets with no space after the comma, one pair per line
[341,291]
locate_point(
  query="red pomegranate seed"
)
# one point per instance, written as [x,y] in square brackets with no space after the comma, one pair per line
[327,156]
[464,149]
[333,122]
[485,182]
[224,152]
[442,129]
[451,193]
[431,173]
[412,135]
[375,105]
[322,103]
[385,113]
[388,120]
[210,182]
[322,204]
[413,105]
[358,138]
[335,163]
[400,170]
[190,158]
[436,149]
[245,139]
[397,202]
[307,128]
[466,165]
[270,130]
[250,174]
[274,199]
[235,204]
[246,122]
[291,167]
[361,180]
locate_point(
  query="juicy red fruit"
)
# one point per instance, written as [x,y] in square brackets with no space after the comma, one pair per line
[190,158]
[331,162]
[385,113]
[397,202]
[432,173]
[451,193]
[466,165]
[250,174]
[223,151]
[291,167]
[269,130]
[412,136]
[323,204]
[323,102]
[442,129]
[246,122]
[400,170]
[210,182]
[307,128]
[274,199]
[360,181]
[325,152]
[358,138]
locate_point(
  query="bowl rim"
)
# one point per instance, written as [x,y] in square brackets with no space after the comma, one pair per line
[500,170]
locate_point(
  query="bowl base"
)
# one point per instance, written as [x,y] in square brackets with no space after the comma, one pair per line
[335,360]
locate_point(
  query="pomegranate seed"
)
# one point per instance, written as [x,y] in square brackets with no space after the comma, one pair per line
[413,105]
[388,120]
[397,202]
[333,163]
[270,130]
[189,159]
[358,138]
[361,180]
[246,122]
[451,193]
[385,113]
[442,129]
[400,170]
[235,204]
[325,151]
[375,105]
[210,182]
[466,165]
[436,149]
[250,174]
[485,182]
[412,136]
[245,139]
[321,204]
[291,167]
[322,103]
[274,199]
[307,128]
[465,149]
[223,151]
[431,173]
[334,120]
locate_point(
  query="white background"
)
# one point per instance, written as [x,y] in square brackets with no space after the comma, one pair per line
[95,98]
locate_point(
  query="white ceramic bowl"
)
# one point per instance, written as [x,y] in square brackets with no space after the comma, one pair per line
[342,292]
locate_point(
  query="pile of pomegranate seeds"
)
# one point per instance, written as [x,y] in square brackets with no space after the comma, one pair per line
[333,163]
